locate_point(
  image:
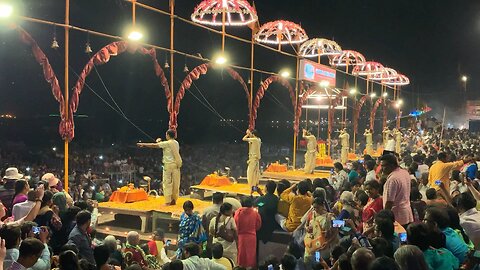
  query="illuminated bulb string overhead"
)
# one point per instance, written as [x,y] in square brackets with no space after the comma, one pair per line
[347,58]
[387,74]
[318,47]
[368,69]
[281,32]
[237,13]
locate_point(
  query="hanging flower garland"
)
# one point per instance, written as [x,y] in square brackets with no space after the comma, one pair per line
[261,92]
[65,127]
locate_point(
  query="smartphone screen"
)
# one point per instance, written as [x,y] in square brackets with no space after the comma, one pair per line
[254,188]
[336,223]
[317,256]
[36,230]
[403,237]
[438,182]
[364,242]
[270,267]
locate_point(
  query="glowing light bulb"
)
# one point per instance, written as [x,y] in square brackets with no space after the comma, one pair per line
[285,74]
[135,36]
[6,10]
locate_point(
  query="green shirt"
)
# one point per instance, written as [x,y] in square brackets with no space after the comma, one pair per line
[440,259]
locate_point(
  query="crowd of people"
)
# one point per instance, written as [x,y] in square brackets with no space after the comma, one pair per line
[416,209]
[411,210]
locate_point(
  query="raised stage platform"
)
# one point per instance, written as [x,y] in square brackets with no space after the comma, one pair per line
[150,211]
[204,191]
[295,175]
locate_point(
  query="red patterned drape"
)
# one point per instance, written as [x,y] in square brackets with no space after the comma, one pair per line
[301,100]
[379,102]
[261,92]
[187,83]
[49,76]
[102,57]
[356,113]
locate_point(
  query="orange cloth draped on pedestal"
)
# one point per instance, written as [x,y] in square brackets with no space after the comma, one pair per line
[327,160]
[277,167]
[215,180]
[129,196]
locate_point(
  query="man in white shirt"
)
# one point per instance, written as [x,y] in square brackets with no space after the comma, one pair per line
[22,209]
[370,167]
[172,161]
[390,144]
[194,262]
[466,204]
[422,168]
[339,177]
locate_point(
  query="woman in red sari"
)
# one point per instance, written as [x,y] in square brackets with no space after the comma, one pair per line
[248,222]
[373,206]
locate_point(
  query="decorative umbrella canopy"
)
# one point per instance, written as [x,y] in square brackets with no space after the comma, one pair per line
[368,69]
[281,32]
[399,80]
[237,13]
[347,58]
[388,74]
[318,47]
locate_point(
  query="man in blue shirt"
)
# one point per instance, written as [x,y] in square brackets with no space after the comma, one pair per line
[471,168]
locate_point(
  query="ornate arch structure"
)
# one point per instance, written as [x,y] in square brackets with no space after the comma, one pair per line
[102,57]
[261,92]
[187,83]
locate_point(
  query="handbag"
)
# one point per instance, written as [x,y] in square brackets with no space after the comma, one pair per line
[227,234]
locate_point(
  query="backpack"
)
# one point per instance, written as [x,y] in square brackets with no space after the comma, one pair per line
[222,231]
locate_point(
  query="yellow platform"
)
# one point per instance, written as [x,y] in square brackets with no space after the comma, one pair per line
[295,175]
[154,204]
[242,189]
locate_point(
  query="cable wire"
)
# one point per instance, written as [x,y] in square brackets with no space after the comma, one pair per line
[210,107]
[106,90]
[109,105]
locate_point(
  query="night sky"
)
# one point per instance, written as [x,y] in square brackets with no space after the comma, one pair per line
[432,42]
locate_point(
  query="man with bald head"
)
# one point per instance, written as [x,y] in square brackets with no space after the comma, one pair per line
[133,254]
[362,258]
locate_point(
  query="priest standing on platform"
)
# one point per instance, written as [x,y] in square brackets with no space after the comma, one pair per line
[253,169]
[345,142]
[172,161]
[311,154]
[369,142]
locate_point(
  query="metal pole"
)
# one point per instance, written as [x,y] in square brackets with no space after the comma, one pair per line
[252,56]
[296,103]
[67,22]
[318,127]
[443,124]
[223,30]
